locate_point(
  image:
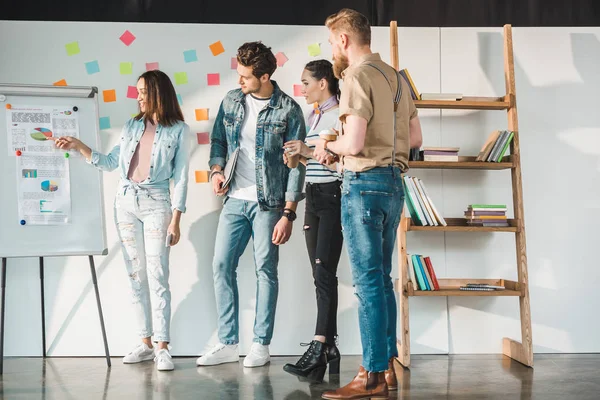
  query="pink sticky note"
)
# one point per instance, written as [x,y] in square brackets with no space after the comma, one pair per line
[127,38]
[151,66]
[234,63]
[298,90]
[203,138]
[213,79]
[281,59]
[132,92]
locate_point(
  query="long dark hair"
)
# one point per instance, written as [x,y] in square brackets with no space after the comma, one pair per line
[323,69]
[161,99]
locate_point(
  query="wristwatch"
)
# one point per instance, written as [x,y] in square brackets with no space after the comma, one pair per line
[289,214]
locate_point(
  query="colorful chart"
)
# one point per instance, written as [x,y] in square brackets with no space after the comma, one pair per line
[41,134]
[29,173]
[49,186]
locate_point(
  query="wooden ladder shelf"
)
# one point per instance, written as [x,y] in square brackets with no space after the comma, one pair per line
[520,351]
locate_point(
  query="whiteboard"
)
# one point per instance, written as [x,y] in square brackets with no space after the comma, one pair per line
[85,234]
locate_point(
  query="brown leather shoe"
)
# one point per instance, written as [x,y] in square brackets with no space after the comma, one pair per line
[365,385]
[390,376]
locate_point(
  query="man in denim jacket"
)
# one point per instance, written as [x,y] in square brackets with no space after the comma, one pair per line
[261,199]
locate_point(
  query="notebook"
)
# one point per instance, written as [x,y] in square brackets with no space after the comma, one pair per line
[230,168]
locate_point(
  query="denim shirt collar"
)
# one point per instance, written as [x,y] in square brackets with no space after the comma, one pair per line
[275,97]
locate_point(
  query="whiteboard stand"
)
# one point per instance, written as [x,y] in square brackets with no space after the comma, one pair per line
[2,308]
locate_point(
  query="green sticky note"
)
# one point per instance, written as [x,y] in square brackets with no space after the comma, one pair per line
[126,68]
[72,48]
[181,78]
[314,49]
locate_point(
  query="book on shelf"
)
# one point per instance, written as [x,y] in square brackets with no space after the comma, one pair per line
[421,274]
[495,147]
[419,204]
[440,154]
[441,96]
[414,93]
[486,215]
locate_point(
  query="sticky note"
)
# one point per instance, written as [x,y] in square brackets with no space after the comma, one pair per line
[151,66]
[62,82]
[92,67]
[109,95]
[132,92]
[217,48]
[104,123]
[314,49]
[213,79]
[179,99]
[127,38]
[298,90]
[201,176]
[281,59]
[190,56]
[181,78]
[201,114]
[72,48]
[126,68]
[234,63]
[203,138]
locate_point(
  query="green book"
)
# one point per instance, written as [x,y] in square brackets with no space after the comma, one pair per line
[487,206]
[505,147]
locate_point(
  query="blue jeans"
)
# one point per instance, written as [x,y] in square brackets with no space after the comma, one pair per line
[239,220]
[142,217]
[372,202]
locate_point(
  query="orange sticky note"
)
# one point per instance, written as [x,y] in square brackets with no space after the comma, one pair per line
[62,82]
[201,114]
[109,95]
[201,176]
[298,90]
[217,48]
[8,106]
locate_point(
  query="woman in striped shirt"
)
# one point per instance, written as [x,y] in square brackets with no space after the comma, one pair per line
[322,221]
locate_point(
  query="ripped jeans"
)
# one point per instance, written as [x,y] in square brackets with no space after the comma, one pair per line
[142,217]
[372,202]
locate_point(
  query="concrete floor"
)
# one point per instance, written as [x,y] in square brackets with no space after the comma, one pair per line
[562,377]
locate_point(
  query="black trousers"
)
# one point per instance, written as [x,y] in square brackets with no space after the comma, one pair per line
[323,234]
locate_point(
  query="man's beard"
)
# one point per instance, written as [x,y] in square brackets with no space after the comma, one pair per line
[255,90]
[340,63]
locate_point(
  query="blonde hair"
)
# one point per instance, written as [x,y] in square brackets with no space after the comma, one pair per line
[352,23]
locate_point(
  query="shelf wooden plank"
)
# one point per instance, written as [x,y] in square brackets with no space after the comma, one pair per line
[467,103]
[464,162]
[460,225]
[450,287]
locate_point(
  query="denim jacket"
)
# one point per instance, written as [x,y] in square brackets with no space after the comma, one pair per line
[280,121]
[170,158]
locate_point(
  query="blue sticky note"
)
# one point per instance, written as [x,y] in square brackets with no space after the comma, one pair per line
[179,99]
[92,67]
[104,123]
[190,56]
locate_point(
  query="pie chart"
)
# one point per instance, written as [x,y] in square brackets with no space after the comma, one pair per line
[41,134]
[49,186]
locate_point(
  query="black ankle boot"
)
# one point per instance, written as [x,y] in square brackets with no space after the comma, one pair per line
[313,363]
[333,358]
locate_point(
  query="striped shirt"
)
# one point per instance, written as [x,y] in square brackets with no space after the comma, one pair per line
[315,172]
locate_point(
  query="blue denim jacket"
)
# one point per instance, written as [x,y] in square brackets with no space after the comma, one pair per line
[170,158]
[281,121]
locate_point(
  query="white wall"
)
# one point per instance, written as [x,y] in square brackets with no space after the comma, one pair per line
[551,72]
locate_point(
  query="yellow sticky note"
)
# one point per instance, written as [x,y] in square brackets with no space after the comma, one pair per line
[181,78]
[201,114]
[126,68]
[314,49]
[201,176]
[72,48]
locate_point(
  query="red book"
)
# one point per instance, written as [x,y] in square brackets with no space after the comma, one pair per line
[436,285]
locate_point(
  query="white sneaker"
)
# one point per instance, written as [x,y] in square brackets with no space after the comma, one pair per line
[163,360]
[258,356]
[220,354]
[139,354]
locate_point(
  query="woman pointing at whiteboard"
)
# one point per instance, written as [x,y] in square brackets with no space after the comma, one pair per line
[153,149]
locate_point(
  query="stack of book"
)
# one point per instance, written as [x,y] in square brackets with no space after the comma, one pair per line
[414,93]
[495,146]
[486,215]
[440,153]
[421,274]
[484,287]
[420,207]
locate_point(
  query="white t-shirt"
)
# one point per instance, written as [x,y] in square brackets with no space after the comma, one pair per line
[243,185]
[316,172]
